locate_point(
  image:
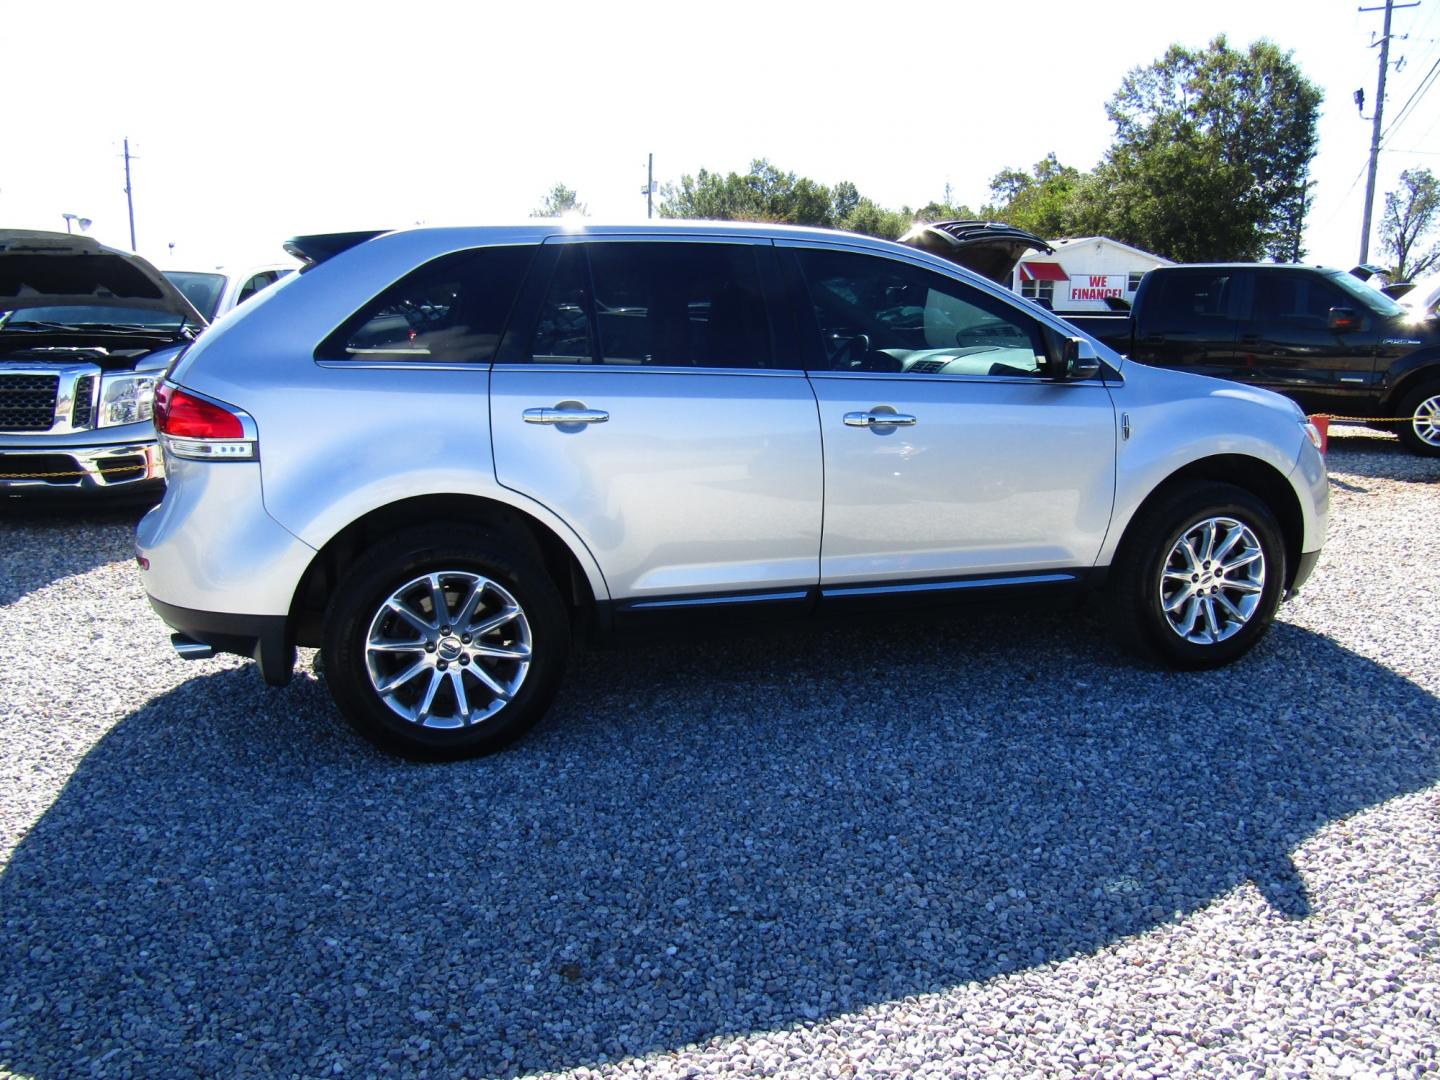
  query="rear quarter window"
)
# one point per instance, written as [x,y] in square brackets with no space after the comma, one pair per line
[451,310]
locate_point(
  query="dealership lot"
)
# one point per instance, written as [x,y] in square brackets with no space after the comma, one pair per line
[989,844]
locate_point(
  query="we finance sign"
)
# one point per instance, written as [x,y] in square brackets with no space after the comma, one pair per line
[1096,286]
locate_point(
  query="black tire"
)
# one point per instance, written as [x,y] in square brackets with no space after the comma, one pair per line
[1136,593]
[1409,406]
[464,557]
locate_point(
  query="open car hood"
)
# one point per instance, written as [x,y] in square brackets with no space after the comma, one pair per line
[48,269]
[987,247]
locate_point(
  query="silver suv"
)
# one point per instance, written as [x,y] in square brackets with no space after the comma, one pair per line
[436,454]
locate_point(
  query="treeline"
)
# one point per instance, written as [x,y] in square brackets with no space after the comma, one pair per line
[1209,162]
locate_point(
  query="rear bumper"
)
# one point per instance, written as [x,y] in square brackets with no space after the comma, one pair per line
[263,638]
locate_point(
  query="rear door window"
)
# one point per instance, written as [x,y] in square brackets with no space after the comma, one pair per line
[450,310]
[655,304]
[1195,300]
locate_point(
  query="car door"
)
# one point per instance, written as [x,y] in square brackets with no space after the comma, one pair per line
[950,460]
[1292,348]
[647,402]
[1188,320]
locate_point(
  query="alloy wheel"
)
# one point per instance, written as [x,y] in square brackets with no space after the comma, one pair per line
[1426,421]
[1212,580]
[448,649]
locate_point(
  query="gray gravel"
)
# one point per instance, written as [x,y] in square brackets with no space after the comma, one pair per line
[991,846]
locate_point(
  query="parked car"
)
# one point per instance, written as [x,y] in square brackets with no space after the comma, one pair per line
[85,333]
[437,452]
[214,292]
[1320,337]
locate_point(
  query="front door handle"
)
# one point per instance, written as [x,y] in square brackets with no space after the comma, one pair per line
[878,419]
[565,416]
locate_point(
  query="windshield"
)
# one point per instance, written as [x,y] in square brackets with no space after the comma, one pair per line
[94,316]
[1374,299]
[202,290]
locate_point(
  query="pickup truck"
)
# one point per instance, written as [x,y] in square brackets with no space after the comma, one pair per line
[1320,337]
[86,331]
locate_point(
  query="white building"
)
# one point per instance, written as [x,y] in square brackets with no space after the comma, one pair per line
[1083,272]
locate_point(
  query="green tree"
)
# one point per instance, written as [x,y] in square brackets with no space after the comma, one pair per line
[870,218]
[1044,200]
[560,200]
[765,193]
[1211,153]
[1410,213]
[940,211]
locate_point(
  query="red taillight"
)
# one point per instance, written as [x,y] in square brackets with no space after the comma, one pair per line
[185,416]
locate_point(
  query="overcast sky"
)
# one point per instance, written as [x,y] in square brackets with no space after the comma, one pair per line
[253,122]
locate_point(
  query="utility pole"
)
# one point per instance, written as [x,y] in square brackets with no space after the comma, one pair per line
[1389,8]
[650,188]
[130,198]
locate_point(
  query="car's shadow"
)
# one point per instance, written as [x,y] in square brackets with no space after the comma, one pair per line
[45,541]
[697,841]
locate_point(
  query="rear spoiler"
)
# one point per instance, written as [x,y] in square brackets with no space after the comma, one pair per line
[314,249]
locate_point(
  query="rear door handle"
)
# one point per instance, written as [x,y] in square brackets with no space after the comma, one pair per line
[878,419]
[1250,339]
[1153,339]
[565,416]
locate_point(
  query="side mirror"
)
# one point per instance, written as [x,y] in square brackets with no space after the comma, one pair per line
[1078,360]
[1342,320]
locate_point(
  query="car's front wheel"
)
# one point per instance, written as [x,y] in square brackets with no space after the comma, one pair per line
[1199,576]
[443,643]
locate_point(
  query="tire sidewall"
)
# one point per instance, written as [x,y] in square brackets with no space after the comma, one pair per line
[389,565]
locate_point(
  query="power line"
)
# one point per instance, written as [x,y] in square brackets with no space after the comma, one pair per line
[1424,85]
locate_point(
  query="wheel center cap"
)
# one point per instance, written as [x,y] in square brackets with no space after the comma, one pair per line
[449,648]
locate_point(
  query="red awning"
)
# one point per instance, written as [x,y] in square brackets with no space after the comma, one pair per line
[1042,271]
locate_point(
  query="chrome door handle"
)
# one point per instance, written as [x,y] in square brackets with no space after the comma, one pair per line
[565,416]
[878,419]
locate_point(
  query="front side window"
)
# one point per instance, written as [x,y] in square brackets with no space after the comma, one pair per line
[1300,300]
[450,310]
[877,314]
[655,304]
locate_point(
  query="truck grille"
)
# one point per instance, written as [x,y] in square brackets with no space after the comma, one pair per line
[27,402]
[84,409]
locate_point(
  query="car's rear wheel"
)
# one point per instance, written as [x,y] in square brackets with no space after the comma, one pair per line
[444,642]
[1421,431]
[1198,577]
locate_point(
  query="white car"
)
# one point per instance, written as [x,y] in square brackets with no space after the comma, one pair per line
[214,292]
[478,439]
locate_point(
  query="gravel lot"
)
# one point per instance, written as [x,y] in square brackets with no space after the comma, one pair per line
[993,846]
